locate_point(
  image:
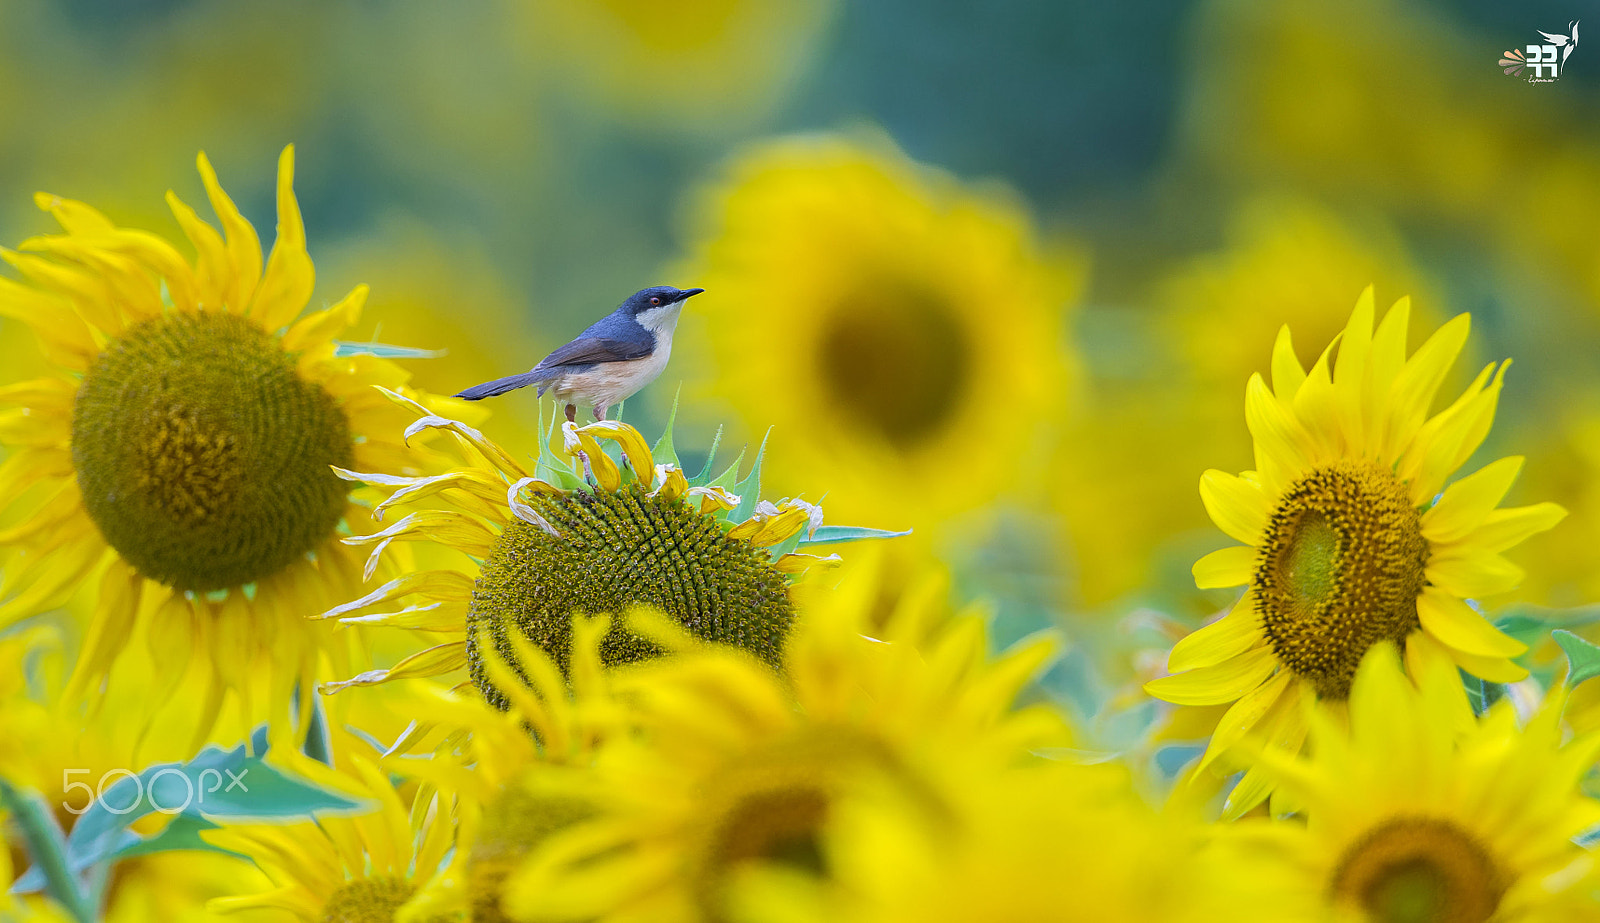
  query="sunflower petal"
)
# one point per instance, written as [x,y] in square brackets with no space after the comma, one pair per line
[1467,503]
[1493,669]
[1278,435]
[286,285]
[1238,507]
[1243,717]
[1455,623]
[1287,373]
[1350,370]
[1225,567]
[1222,682]
[1473,572]
[1208,645]
[1508,528]
[1418,382]
[319,327]
[243,247]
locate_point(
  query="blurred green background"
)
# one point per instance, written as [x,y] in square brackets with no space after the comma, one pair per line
[502,174]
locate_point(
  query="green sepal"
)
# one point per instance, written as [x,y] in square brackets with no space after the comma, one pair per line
[343,349]
[549,467]
[749,489]
[663,450]
[1583,657]
[838,535]
[729,478]
[704,477]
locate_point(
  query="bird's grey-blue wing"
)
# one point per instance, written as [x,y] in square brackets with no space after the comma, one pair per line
[586,351]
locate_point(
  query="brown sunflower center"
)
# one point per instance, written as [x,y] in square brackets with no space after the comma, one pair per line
[202,455]
[616,550]
[1340,569]
[367,900]
[513,824]
[1419,870]
[772,805]
[895,360]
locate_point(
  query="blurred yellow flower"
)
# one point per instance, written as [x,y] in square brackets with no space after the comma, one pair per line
[1350,535]
[64,748]
[733,769]
[1053,843]
[1562,570]
[704,60]
[902,333]
[1277,96]
[512,772]
[356,869]
[551,545]
[1142,436]
[179,454]
[1415,810]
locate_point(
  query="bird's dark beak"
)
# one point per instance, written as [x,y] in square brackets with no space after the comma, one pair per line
[686,293]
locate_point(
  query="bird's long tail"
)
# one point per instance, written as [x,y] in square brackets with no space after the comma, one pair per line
[500,386]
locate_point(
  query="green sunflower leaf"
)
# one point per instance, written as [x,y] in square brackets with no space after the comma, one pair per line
[217,783]
[837,535]
[1583,657]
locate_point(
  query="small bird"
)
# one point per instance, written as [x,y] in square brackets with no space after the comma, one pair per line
[608,362]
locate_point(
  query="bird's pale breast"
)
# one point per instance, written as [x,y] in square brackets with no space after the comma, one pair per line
[610,383]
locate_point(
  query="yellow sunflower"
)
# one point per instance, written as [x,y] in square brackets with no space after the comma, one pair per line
[179,459]
[352,869]
[900,315]
[1351,536]
[547,544]
[733,769]
[1285,260]
[1416,811]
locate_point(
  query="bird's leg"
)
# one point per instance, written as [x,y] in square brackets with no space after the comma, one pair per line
[599,413]
[572,413]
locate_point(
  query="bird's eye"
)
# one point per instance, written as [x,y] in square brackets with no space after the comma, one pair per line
[655,299]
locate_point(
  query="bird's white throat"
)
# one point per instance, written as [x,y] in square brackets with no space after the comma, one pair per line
[660,320]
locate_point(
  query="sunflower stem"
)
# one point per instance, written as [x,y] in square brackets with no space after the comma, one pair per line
[47,847]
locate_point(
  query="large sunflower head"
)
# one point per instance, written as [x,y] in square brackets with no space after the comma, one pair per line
[585,533]
[1417,811]
[1351,535]
[912,312]
[181,453]
[731,768]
